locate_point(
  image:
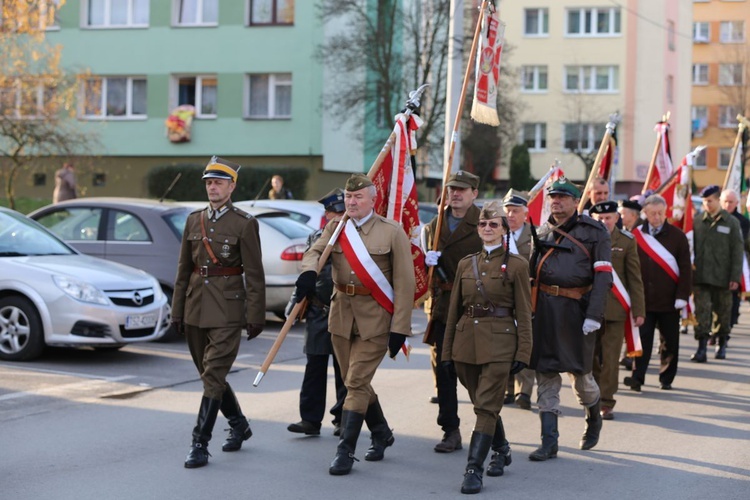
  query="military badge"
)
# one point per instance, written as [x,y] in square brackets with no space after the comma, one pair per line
[225,251]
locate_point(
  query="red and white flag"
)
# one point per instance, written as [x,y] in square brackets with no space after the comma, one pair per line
[489,52]
[608,158]
[539,203]
[662,167]
[397,192]
[632,333]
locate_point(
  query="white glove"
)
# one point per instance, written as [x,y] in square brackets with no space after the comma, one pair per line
[680,304]
[590,325]
[431,259]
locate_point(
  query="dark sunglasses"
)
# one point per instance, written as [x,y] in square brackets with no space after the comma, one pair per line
[493,225]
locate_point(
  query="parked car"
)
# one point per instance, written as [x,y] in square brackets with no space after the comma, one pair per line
[52,295]
[146,234]
[311,213]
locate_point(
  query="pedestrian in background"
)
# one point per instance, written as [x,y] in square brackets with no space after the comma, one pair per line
[219,289]
[278,191]
[65,184]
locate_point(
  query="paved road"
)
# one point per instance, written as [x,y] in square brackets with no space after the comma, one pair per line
[91,425]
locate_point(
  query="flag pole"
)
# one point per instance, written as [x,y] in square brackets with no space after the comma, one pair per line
[652,165]
[743,123]
[611,124]
[412,104]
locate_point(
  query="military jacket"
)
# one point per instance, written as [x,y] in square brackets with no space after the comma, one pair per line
[626,263]
[481,340]
[718,249]
[220,301]
[390,249]
[523,243]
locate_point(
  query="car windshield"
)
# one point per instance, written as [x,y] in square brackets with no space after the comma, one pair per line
[20,236]
[176,221]
[286,225]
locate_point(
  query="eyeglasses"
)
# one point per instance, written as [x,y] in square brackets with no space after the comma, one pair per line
[493,225]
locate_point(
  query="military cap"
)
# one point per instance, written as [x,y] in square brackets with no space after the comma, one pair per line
[710,191]
[631,204]
[219,168]
[357,182]
[604,207]
[515,198]
[491,210]
[463,179]
[333,201]
[564,186]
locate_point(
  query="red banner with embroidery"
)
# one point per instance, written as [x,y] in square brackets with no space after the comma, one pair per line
[489,52]
[662,168]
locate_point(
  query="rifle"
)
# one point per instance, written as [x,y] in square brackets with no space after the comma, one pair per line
[262,189]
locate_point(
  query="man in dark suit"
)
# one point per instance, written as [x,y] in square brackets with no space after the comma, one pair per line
[729,202]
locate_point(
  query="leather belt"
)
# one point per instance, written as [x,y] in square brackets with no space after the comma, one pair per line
[574,293]
[352,290]
[206,271]
[482,312]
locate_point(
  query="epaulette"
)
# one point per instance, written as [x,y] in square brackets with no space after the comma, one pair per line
[627,233]
[198,210]
[241,212]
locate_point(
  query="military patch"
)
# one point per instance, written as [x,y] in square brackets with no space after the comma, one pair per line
[225,251]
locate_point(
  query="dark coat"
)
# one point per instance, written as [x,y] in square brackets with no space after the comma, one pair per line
[317,336]
[660,291]
[559,344]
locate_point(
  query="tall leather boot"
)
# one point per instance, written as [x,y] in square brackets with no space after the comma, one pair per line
[548,449]
[380,434]
[700,354]
[593,426]
[501,448]
[239,426]
[350,428]
[478,450]
[198,455]
[721,348]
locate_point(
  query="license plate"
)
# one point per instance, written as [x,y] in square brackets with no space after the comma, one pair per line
[135,321]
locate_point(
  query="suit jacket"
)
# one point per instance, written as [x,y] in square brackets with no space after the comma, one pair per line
[220,301]
[523,244]
[660,291]
[628,267]
[390,249]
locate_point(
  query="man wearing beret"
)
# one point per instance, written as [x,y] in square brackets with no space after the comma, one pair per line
[458,238]
[619,313]
[312,396]
[630,213]
[373,295]
[572,277]
[718,268]
[219,289]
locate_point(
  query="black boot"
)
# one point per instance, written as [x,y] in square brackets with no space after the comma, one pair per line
[501,448]
[380,434]
[549,438]
[593,426]
[478,450]
[198,455]
[721,348]
[239,426]
[700,354]
[344,459]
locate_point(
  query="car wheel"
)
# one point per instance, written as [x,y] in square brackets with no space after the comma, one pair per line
[21,332]
[171,333]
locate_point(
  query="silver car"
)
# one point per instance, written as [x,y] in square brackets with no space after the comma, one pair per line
[311,213]
[52,295]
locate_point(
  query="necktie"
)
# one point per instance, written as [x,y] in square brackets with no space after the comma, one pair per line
[653,231]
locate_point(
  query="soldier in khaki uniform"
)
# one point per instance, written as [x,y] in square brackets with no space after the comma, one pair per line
[458,238]
[362,328]
[609,338]
[488,335]
[219,289]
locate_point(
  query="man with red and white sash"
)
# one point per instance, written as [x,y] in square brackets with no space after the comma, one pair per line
[373,276]
[666,272]
[625,310]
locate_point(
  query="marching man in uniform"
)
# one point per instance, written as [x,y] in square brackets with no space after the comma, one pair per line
[373,276]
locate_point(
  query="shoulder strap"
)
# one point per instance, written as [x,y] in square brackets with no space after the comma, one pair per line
[575,241]
[206,244]
[480,285]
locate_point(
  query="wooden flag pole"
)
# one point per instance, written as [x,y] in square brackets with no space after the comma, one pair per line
[743,123]
[611,124]
[652,165]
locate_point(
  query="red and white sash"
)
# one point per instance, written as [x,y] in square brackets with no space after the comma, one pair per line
[632,334]
[745,278]
[658,253]
[364,267]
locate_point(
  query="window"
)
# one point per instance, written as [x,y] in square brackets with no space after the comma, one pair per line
[593,22]
[725,156]
[127,227]
[196,12]
[670,89]
[732,32]
[699,119]
[269,96]
[271,12]
[117,13]
[670,35]
[200,92]
[582,136]
[99,179]
[700,74]
[40,180]
[534,78]
[700,160]
[74,224]
[536,22]
[728,116]
[114,97]
[591,78]
[27,98]
[534,136]
[701,32]
[30,16]
[730,74]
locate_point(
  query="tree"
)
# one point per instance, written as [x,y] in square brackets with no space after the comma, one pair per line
[585,127]
[520,168]
[37,96]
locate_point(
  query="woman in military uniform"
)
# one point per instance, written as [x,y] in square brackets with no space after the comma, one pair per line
[487,337]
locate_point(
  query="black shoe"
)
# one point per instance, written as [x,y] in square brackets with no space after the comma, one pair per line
[665,387]
[548,449]
[434,400]
[337,429]
[700,354]
[721,349]
[198,456]
[523,401]
[239,426]
[627,363]
[304,427]
[508,398]
[204,425]
[237,435]
[632,383]
[593,426]
[499,460]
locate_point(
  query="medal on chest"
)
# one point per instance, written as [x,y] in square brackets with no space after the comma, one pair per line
[225,251]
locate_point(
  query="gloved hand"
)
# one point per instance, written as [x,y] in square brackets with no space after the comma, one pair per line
[395,341]
[178,325]
[517,366]
[305,285]
[680,304]
[448,367]
[431,259]
[590,325]
[253,330]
